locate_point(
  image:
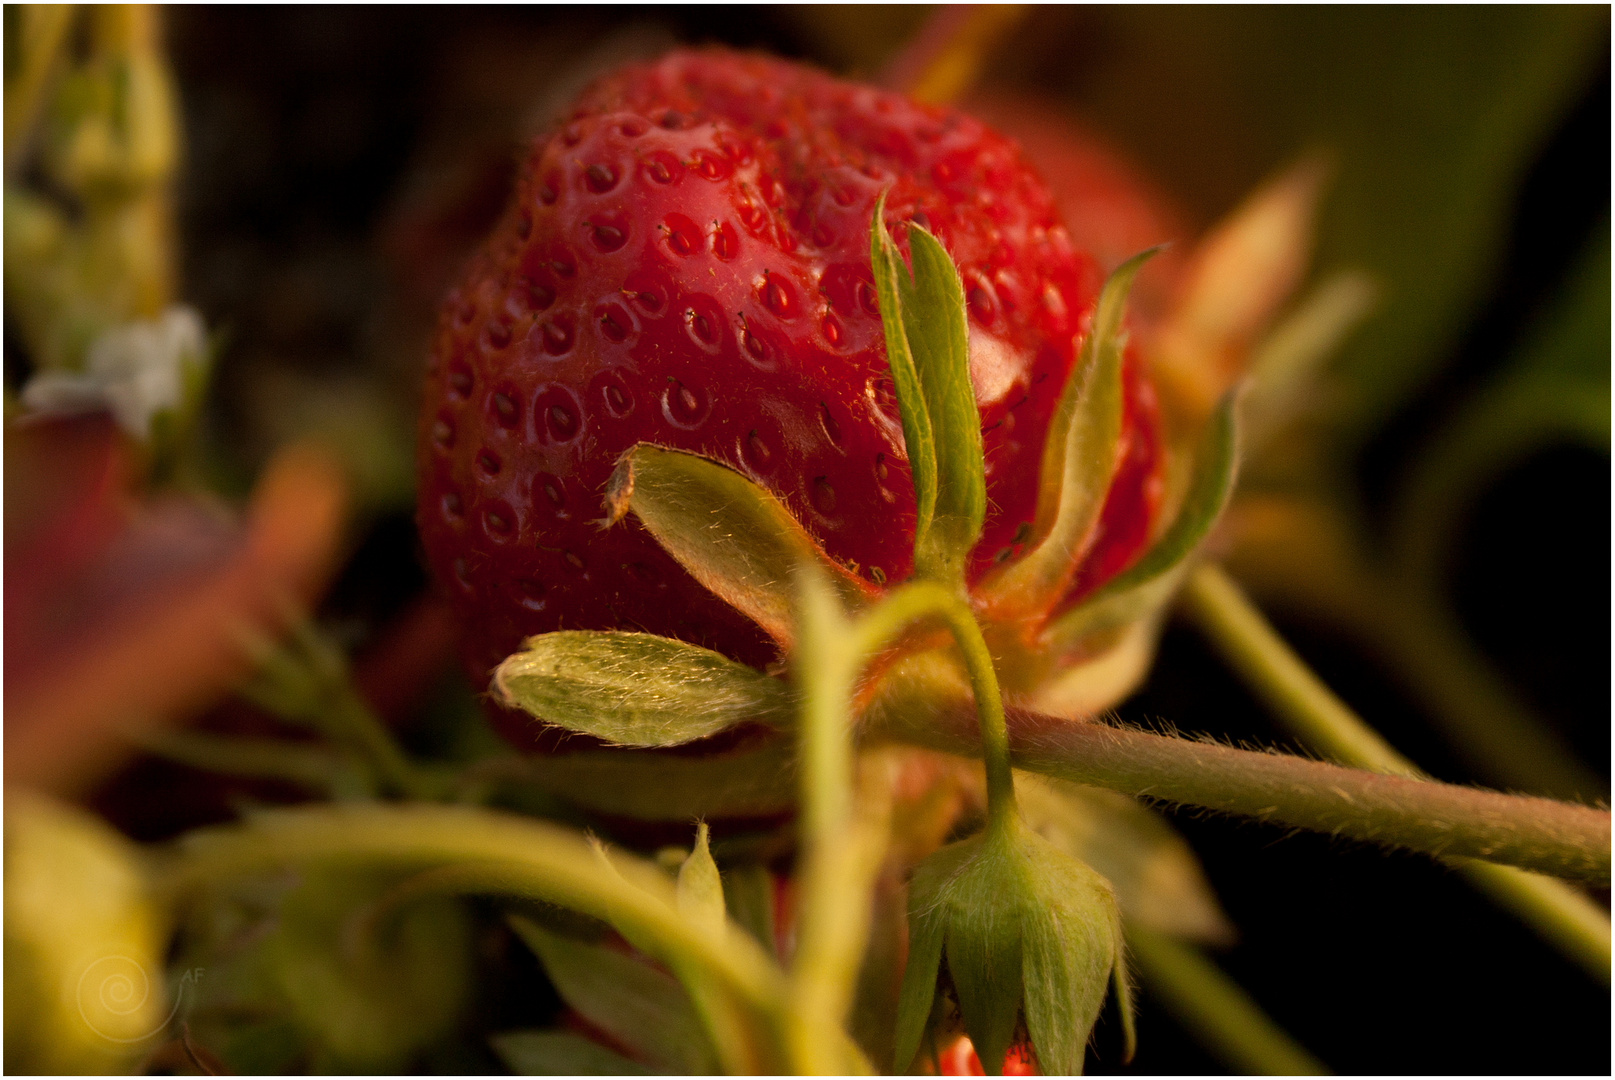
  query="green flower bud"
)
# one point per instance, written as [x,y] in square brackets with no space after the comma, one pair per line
[1028,933]
[83,961]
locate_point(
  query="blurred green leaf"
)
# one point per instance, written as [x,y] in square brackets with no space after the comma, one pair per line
[1555,389]
[644,1009]
[560,1053]
[1433,115]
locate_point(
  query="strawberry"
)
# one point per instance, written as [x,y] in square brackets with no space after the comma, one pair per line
[686,262]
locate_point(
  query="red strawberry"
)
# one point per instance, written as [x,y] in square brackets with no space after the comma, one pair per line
[686,262]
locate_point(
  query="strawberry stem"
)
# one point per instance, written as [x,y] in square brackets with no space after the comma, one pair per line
[925,599]
[1312,712]
[1562,839]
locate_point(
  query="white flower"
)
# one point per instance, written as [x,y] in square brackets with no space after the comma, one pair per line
[134,371]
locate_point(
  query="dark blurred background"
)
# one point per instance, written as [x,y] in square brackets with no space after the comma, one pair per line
[340,161]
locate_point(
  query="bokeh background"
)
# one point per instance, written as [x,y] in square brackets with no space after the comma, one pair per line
[339,163]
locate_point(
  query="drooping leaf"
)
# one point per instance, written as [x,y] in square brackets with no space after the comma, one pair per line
[1079,459]
[733,537]
[1156,878]
[928,349]
[644,1009]
[1147,584]
[560,1053]
[700,889]
[636,689]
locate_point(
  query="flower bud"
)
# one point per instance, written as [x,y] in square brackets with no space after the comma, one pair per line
[83,968]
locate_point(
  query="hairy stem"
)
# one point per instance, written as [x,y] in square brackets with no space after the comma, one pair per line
[1217,1009]
[1562,839]
[1311,711]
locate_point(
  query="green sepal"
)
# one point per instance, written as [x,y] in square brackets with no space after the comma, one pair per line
[1026,930]
[644,1009]
[986,938]
[636,689]
[1080,456]
[1071,934]
[734,537]
[927,929]
[1121,981]
[928,350]
[1146,586]
[560,1053]
[700,888]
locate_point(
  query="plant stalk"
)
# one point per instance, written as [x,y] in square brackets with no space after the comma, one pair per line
[1567,918]
[510,855]
[920,599]
[1562,839]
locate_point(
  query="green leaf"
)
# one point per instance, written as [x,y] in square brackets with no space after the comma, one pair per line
[734,537]
[928,350]
[560,1053]
[637,689]
[644,1009]
[653,786]
[1434,114]
[1070,936]
[700,889]
[1555,389]
[1145,587]
[1079,458]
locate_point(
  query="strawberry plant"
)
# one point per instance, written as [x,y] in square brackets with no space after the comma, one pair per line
[807,478]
